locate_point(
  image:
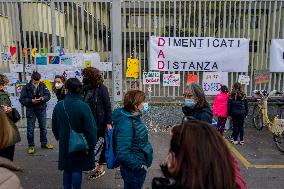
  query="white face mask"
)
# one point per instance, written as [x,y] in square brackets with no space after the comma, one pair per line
[58,85]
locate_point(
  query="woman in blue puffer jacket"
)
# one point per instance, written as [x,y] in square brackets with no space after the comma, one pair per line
[133,149]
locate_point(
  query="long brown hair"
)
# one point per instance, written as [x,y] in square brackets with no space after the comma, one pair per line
[203,160]
[6,130]
[198,94]
[237,91]
[92,76]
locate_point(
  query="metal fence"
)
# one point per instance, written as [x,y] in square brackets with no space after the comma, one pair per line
[85,26]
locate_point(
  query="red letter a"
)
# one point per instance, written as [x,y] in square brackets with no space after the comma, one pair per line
[161,53]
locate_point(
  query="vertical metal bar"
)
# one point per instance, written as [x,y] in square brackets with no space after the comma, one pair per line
[73,27]
[144,38]
[78,26]
[205,19]
[107,37]
[83,26]
[102,28]
[59,23]
[244,30]
[88,38]
[252,62]
[97,25]
[64,26]
[139,47]
[215,12]
[23,30]
[194,18]
[189,17]
[268,37]
[53,26]
[224,18]
[42,24]
[219,19]
[124,42]
[116,51]
[278,36]
[258,39]
[47,25]
[18,32]
[209,23]
[251,53]
[68,33]
[93,33]
[199,18]
[29,6]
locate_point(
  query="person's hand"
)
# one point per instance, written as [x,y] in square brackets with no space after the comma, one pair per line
[41,99]
[109,126]
[7,109]
[34,101]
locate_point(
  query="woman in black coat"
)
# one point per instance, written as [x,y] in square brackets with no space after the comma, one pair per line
[95,93]
[81,120]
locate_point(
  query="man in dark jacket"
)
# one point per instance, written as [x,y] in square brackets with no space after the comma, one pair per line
[34,96]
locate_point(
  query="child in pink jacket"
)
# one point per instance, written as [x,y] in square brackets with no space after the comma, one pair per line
[220,108]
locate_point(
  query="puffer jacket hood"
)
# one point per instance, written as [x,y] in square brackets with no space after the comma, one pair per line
[120,113]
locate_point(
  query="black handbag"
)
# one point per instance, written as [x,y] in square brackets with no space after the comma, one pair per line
[15,115]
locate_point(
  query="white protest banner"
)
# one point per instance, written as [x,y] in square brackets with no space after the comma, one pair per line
[199,54]
[16,68]
[212,82]
[151,78]
[277,55]
[171,80]
[244,80]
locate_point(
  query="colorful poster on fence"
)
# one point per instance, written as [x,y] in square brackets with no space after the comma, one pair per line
[151,78]
[132,68]
[277,55]
[212,82]
[171,80]
[261,77]
[199,54]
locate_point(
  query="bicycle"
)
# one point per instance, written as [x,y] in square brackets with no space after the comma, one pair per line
[261,119]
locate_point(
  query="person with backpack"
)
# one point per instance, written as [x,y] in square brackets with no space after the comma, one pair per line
[238,111]
[132,147]
[96,95]
[220,105]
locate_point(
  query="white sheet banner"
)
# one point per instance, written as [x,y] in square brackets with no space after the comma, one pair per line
[199,54]
[277,55]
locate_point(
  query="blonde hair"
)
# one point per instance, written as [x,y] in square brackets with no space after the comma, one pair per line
[6,131]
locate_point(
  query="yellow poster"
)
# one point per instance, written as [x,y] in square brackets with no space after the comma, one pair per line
[132,68]
[87,63]
[47,84]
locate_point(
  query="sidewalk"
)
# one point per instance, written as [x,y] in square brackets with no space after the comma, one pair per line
[41,168]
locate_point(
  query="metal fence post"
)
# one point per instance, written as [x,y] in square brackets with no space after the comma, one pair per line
[116,49]
[53,25]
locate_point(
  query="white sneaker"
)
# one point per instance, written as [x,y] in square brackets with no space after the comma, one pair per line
[235,142]
[242,142]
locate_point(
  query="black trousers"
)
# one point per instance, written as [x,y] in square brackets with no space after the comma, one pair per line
[8,152]
[238,127]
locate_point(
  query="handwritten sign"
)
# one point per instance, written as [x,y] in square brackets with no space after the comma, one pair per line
[30,68]
[199,54]
[244,80]
[132,68]
[261,77]
[151,78]
[12,77]
[171,80]
[16,68]
[212,82]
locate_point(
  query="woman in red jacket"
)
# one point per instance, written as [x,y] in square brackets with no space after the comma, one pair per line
[220,108]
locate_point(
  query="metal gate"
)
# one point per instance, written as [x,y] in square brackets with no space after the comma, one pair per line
[88,26]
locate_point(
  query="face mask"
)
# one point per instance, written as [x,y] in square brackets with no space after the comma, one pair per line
[189,102]
[145,108]
[58,85]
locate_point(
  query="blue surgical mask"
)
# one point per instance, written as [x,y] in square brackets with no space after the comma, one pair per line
[145,108]
[189,102]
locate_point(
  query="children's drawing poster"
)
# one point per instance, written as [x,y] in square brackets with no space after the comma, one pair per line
[47,84]
[66,60]
[30,68]
[212,82]
[132,68]
[53,59]
[12,77]
[6,56]
[191,78]
[171,80]
[16,68]
[41,60]
[151,78]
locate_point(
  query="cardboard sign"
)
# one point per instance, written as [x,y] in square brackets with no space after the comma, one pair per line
[212,82]
[171,80]
[151,78]
[244,80]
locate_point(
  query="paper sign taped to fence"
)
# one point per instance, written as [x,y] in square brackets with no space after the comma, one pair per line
[30,68]
[151,78]
[191,78]
[199,54]
[261,77]
[244,80]
[12,77]
[16,68]
[132,68]
[47,84]
[277,55]
[212,82]
[171,80]
[66,59]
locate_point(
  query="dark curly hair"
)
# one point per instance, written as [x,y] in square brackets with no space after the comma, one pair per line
[92,76]
[3,80]
[237,91]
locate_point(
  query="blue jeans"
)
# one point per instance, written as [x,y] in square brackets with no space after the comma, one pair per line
[133,179]
[40,115]
[72,179]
